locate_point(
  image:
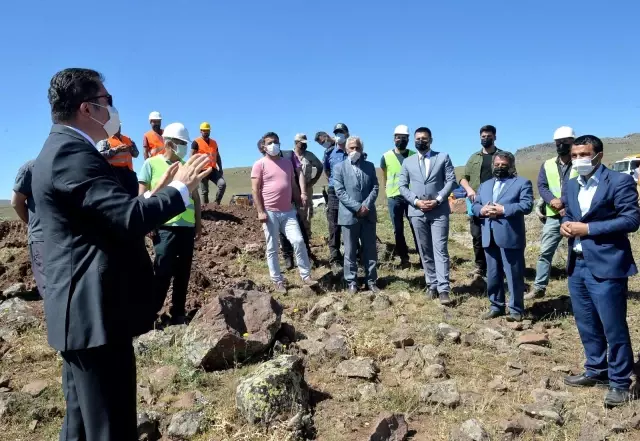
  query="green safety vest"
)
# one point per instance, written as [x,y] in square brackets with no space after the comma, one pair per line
[554,182]
[187,218]
[393,172]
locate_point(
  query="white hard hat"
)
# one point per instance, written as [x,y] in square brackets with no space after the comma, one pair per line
[154,116]
[564,132]
[401,130]
[176,131]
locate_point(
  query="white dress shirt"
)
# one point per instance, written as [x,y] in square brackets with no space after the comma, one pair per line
[585,197]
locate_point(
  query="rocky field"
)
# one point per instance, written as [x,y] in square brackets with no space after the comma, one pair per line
[317,364]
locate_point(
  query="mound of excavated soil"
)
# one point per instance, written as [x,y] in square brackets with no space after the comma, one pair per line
[225,232]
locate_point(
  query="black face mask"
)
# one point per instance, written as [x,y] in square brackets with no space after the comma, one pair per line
[422,146]
[402,144]
[486,143]
[501,172]
[563,149]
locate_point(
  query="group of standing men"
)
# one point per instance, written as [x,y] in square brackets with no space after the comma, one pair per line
[582,200]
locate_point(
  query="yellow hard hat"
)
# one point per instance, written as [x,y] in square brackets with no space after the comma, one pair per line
[205,126]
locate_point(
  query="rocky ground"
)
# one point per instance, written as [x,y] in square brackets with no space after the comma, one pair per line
[252,365]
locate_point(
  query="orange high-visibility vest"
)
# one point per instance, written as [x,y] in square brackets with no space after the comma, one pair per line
[211,149]
[122,159]
[154,143]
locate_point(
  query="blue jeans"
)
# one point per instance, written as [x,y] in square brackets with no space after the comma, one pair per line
[286,223]
[398,210]
[509,262]
[600,309]
[548,245]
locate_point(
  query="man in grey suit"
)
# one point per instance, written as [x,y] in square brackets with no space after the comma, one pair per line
[99,275]
[356,186]
[426,180]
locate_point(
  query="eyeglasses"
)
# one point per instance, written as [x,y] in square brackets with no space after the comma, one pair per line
[107,96]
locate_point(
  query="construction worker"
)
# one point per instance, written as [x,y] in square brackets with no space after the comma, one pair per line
[554,175]
[174,241]
[152,143]
[391,165]
[308,162]
[119,151]
[208,146]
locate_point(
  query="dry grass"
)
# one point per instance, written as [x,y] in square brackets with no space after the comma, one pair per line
[344,416]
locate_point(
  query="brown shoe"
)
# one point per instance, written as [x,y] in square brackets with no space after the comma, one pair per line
[535,293]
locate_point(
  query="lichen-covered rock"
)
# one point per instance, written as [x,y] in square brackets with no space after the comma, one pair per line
[359,367]
[321,306]
[149,426]
[16,316]
[277,388]
[443,393]
[185,425]
[157,339]
[233,326]
[470,430]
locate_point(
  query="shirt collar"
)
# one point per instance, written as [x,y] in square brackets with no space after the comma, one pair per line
[595,178]
[425,155]
[83,134]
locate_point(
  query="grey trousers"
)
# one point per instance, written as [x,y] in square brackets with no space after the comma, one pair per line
[362,232]
[218,180]
[432,236]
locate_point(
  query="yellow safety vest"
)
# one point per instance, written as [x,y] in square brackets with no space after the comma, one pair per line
[554,182]
[393,172]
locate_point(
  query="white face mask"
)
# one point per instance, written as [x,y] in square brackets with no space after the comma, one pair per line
[341,138]
[355,156]
[113,123]
[326,144]
[583,166]
[179,149]
[272,149]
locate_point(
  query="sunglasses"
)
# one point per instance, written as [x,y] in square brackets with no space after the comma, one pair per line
[107,96]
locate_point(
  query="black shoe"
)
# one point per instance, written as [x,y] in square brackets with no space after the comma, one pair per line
[178,320]
[374,288]
[514,317]
[353,289]
[445,299]
[583,380]
[492,314]
[432,294]
[288,263]
[617,397]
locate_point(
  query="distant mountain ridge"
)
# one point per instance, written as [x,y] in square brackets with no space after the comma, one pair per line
[614,149]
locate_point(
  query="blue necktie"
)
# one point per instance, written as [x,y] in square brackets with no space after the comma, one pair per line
[496,190]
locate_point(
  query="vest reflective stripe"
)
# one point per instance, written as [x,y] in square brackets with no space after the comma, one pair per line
[123,159]
[154,142]
[209,148]
[554,182]
[393,172]
[158,166]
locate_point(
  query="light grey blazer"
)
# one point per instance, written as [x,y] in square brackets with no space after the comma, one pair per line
[354,193]
[439,182]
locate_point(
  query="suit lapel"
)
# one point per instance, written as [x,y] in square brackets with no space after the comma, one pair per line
[600,192]
[432,162]
[507,184]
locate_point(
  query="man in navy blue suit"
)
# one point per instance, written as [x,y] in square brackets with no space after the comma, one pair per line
[502,202]
[601,208]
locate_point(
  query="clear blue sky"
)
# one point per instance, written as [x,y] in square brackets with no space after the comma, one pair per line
[248,67]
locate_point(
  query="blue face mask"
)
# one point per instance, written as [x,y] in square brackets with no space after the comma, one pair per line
[341,138]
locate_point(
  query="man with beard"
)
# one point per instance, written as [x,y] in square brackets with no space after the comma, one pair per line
[152,142]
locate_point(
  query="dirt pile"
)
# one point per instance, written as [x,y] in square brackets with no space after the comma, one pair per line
[15,266]
[225,233]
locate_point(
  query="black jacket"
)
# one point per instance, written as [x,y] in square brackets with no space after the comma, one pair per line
[99,273]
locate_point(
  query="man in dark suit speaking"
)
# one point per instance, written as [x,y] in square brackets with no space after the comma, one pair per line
[98,270]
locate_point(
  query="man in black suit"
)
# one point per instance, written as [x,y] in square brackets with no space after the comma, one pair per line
[99,274]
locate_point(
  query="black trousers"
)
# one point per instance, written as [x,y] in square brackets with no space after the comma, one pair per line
[174,254]
[287,248]
[475,227]
[334,228]
[99,386]
[128,179]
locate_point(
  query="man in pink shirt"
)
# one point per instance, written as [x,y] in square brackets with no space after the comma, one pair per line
[273,187]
